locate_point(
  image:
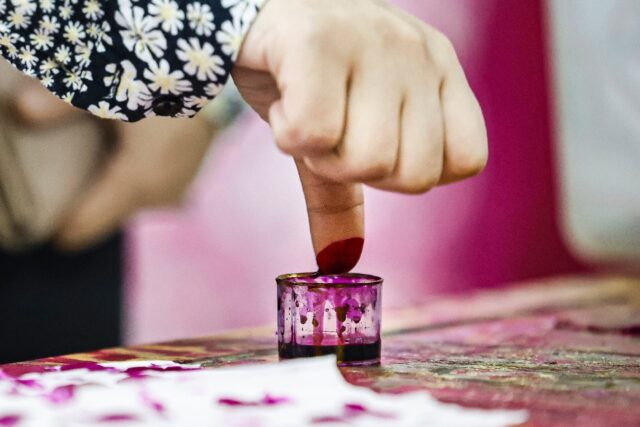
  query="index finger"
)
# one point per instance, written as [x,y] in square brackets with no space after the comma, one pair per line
[336,220]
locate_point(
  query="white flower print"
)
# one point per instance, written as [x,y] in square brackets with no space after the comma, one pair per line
[8,42]
[101,35]
[67,97]
[168,14]
[200,60]
[63,55]
[185,112]
[140,34]
[110,77]
[93,10]
[243,12]
[65,12]
[29,72]
[19,20]
[177,47]
[230,38]
[49,67]
[198,102]
[41,40]
[46,80]
[212,89]
[83,54]
[131,90]
[27,56]
[47,5]
[200,18]
[74,81]
[74,32]
[93,30]
[49,24]
[105,111]
[25,6]
[165,81]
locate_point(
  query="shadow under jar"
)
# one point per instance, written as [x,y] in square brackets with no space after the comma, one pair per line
[330,314]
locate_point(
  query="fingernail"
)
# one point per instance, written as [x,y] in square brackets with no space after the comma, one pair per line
[340,257]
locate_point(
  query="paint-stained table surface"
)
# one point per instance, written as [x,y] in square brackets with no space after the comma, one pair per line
[566,349]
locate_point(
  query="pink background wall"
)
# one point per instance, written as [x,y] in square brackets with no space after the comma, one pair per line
[210,266]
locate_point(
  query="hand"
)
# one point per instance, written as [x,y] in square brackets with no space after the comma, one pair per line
[360,92]
[153,163]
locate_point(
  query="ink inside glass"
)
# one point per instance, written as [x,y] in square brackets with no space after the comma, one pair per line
[330,314]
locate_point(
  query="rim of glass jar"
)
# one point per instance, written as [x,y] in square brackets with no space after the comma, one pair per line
[289,279]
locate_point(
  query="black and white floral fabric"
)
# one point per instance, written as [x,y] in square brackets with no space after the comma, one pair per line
[127,59]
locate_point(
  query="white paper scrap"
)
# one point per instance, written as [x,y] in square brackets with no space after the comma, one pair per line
[298,393]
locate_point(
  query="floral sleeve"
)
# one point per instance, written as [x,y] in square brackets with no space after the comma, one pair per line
[127,59]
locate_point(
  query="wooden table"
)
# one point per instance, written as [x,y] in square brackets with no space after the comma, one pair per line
[566,349]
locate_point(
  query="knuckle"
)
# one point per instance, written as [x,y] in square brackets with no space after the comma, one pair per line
[422,182]
[319,138]
[440,41]
[372,170]
[394,31]
[307,140]
[286,139]
[409,36]
[470,161]
[316,33]
[442,50]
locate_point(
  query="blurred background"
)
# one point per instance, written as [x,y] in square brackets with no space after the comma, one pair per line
[558,84]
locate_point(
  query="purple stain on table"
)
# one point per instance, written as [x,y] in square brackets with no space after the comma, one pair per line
[354,407]
[140,371]
[329,314]
[267,400]
[16,370]
[30,383]
[90,366]
[62,394]
[349,412]
[152,403]
[632,330]
[117,418]
[9,420]
[136,372]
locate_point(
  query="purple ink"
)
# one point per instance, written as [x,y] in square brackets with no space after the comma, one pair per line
[117,418]
[267,400]
[340,257]
[349,412]
[330,314]
[152,403]
[31,383]
[90,366]
[62,394]
[9,420]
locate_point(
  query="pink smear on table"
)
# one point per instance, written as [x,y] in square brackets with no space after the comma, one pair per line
[9,420]
[349,412]
[267,400]
[62,394]
[115,418]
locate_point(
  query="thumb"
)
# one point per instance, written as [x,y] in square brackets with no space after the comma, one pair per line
[36,106]
[102,208]
[336,220]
